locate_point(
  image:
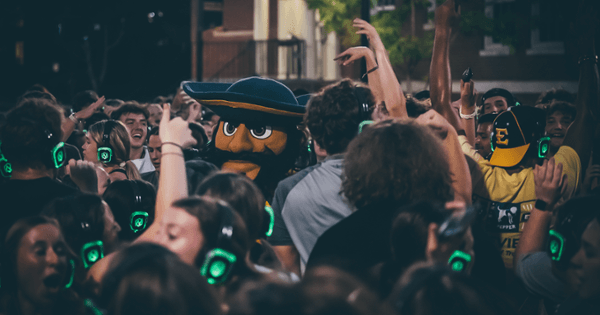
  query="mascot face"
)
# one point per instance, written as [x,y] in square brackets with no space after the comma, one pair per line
[249,146]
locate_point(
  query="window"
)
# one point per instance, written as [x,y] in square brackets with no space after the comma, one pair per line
[494,9]
[383,5]
[547,29]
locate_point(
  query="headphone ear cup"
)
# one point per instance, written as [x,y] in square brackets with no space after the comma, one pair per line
[459,261]
[71,274]
[138,221]
[217,265]
[59,155]
[92,252]
[556,245]
[543,147]
[105,155]
[271,216]
[5,167]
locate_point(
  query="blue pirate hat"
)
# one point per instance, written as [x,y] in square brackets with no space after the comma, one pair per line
[253,99]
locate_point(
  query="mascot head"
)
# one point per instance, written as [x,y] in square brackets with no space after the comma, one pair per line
[257,134]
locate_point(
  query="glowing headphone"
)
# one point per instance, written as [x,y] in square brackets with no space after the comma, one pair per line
[219,262]
[271,214]
[5,166]
[564,243]
[459,261]
[72,274]
[105,152]
[138,219]
[92,251]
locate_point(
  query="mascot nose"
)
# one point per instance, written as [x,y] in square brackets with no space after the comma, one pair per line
[241,140]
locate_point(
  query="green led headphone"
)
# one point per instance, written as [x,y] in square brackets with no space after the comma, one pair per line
[92,251]
[271,214]
[72,274]
[459,261]
[105,152]
[219,261]
[556,245]
[5,166]
[138,219]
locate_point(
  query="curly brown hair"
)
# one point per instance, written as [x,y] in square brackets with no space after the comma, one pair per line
[332,115]
[393,163]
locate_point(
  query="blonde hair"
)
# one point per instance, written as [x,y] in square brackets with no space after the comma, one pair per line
[120,143]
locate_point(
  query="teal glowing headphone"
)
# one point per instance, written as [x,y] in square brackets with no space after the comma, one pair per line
[92,251]
[459,261]
[271,215]
[138,219]
[5,166]
[105,152]
[219,262]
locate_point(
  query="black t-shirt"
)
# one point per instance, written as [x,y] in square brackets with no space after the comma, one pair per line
[357,243]
[24,198]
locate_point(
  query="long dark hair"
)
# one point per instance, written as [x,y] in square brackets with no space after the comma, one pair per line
[122,199]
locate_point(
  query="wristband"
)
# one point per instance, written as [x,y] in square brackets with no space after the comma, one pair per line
[541,205]
[172,153]
[173,143]
[470,116]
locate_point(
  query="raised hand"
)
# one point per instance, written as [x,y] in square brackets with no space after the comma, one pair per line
[87,112]
[352,54]
[364,28]
[83,174]
[175,131]
[468,94]
[550,184]
[447,15]
[438,124]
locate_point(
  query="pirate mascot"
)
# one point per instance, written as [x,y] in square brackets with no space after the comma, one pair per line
[257,134]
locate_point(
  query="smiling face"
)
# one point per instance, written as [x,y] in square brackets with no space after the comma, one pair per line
[41,265]
[249,140]
[180,233]
[557,126]
[137,126]
[90,149]
[495,104]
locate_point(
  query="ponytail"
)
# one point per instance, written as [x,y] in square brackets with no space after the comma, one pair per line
[132,171]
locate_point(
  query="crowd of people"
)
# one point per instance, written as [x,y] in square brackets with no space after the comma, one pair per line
[359,199]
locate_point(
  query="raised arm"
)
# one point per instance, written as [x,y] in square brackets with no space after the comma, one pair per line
[580,136]
[68,125]
[393,97]
[468,96]
[356,53]
[175,134]
[459,169]
[439,72]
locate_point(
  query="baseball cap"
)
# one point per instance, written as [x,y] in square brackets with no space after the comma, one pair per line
[513,132]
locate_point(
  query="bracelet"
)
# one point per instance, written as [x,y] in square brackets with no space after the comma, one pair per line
[173,143]
[470,116]
[172,153]
[541,205]
[374,68]
[587,58]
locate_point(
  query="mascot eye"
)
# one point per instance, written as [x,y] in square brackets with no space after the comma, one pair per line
[261,132]
[229,129]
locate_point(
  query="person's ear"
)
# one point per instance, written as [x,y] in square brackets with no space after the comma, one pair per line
[318,150]
[432,241]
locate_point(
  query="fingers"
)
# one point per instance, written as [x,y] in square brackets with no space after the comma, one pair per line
[97,103]
[550,170]
[166,115]
[557,176]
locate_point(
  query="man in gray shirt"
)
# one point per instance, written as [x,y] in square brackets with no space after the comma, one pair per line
[309,202]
